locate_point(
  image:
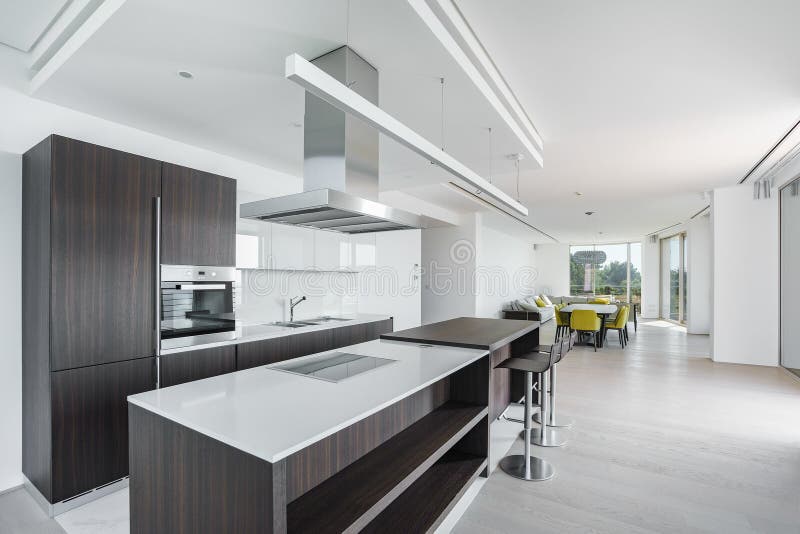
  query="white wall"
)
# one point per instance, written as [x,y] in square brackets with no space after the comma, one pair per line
[746,277]
[651,262]
[699,281]
[393,287]
[504,269]
[552,267]
[448,263]
[10,326]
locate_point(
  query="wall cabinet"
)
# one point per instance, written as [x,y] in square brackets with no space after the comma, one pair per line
[332,251]
[198,217]
[253,244]
[193,365]
[364,250]
[284,348]
[292,247]
[90,423]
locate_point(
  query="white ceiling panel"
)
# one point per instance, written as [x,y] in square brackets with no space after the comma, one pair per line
[22,22]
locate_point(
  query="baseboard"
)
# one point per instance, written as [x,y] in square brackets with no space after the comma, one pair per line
[11,488]
[788,372]
[59,508]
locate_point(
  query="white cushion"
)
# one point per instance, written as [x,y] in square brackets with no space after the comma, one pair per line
[546,300]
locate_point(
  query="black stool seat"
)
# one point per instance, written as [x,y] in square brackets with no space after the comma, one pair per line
[532,362]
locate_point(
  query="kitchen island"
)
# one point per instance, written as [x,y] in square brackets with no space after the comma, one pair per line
[504,338]
[379,436]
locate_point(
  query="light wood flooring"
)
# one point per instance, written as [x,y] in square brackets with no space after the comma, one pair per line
[665,440]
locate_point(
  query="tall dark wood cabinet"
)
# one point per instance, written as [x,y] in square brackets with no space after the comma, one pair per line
[90,423]
[102,254]
[88,286]
[198,218]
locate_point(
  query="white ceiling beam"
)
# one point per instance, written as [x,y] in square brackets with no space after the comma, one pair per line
[84,20]
[321,84]
[448,25]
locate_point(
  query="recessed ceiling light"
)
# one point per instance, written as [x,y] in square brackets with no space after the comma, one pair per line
[185,74]
[578,194]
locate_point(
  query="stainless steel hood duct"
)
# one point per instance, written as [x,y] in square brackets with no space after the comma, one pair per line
[340,174]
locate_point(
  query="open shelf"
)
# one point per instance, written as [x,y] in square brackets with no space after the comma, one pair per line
[356,495]
[428,500]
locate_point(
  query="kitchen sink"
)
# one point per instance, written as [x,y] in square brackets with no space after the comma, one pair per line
[309,322]
[328,319]
[294,324]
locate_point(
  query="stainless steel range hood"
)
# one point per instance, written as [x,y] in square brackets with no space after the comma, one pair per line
[340,173]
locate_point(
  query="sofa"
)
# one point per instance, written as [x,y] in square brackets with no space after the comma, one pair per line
[527,309]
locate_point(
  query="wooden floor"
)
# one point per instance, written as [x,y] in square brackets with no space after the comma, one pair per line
[664,440]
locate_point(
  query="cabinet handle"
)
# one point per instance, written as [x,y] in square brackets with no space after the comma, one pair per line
[199,287]
[158,291]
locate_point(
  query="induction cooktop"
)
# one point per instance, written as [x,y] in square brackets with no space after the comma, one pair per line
[332,366]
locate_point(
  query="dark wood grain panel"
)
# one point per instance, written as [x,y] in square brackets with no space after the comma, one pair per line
[198,217]
[183,482]
[90,423]
[501,382]
[197,364]
[423,506]
[283,348]
[468,332]
[358,493]
[36,429]
[307,468]
[103,255]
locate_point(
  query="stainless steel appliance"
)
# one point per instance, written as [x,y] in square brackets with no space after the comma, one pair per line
[340,173]
[196,305]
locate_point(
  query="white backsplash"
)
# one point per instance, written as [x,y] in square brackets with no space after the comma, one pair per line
[263,295]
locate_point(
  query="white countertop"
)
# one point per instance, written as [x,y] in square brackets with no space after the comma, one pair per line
[272,414]
[257,332]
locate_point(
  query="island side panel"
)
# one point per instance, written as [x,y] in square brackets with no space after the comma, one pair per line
[472,384]
[182,481]
[316,463]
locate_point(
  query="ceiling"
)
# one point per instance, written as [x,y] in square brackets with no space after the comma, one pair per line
[24,22]
[642,106]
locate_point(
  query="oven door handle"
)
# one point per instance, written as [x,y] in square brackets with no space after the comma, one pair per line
[199,287]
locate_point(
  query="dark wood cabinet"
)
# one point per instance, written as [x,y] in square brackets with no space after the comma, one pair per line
[283,348]
[90,423]
[197,364]
[102,247]
[198,217]
[88,298]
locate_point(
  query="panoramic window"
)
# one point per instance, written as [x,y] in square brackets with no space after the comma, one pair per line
[613,269]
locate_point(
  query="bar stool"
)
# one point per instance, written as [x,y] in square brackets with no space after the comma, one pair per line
[525,466]
[552,420]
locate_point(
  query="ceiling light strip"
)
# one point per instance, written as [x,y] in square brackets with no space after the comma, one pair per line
[475,198]
[319,83]
[449,27]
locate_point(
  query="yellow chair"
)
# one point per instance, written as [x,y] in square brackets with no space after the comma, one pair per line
[619,325]
[562,326]
[586,322]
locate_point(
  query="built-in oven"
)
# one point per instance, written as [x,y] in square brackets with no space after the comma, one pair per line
[196,305]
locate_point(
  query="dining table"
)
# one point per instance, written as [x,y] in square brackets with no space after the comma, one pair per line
[603,310]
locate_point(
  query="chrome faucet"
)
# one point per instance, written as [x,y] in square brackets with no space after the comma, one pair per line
[292,304]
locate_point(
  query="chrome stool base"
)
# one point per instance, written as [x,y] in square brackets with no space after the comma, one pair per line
[551,438]
[554,422]
[538,469]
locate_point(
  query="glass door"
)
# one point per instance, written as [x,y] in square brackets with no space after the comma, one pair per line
[790,279]
[673,278]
